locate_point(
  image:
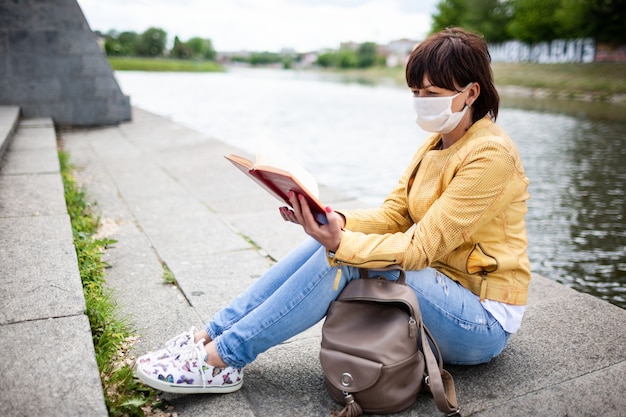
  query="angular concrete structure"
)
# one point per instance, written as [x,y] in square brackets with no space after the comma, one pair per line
[51,65]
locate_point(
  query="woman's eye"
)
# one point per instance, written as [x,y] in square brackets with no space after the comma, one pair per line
[425,93]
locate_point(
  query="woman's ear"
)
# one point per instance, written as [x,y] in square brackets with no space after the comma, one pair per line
[472,94]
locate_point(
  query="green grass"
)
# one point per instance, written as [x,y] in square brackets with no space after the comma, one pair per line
[168,276]
[161,64]
[112,337]
[600,80]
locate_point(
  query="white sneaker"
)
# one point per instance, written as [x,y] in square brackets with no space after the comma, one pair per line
[188,373]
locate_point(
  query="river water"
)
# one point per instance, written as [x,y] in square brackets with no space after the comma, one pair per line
[359,138]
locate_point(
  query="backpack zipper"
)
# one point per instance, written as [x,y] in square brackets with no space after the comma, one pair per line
[412,327]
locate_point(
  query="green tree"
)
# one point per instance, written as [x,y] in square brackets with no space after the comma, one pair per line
[449,13]
[327,59]
[201,48]
[347,58]
[535,20]
[152,42]
[572,17]
[288,62]
[488,17]
[122,44]
[367,55]
[607,21]
[602,20]
[180,50]
[112,47]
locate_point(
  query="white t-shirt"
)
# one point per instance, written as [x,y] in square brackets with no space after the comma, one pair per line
[509,316]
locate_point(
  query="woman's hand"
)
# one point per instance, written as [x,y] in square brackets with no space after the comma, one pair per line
[329,235]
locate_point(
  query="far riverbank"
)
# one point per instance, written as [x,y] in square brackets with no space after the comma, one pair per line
[604,82]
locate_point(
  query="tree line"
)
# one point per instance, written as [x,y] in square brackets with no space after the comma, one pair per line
[533,21]
[152,43]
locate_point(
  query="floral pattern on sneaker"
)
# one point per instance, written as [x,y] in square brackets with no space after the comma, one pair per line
[189,373]
[172,348]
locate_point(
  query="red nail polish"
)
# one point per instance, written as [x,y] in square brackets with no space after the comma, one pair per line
[328,209]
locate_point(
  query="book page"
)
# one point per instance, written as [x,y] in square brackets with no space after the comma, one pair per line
[271,155]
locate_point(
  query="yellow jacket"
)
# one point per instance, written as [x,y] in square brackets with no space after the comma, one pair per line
[459,210]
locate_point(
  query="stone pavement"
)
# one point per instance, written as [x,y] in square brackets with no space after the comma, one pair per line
[171,200]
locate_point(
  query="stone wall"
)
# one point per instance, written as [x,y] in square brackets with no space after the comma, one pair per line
[51,65]
[610,53]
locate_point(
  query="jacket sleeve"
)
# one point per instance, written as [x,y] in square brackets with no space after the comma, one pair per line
[392,216]
[479,190]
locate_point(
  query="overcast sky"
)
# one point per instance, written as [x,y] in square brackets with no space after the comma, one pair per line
[267,25]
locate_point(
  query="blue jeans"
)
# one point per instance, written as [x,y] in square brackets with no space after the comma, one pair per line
[295,294]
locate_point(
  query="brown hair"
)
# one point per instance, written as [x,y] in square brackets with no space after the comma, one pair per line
[451,59]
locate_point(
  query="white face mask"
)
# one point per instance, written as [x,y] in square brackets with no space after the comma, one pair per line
[434,114]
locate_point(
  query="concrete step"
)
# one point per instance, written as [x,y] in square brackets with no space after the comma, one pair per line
[48,365]
[9,117]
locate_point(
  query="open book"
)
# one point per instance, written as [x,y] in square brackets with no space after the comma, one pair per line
[278,174]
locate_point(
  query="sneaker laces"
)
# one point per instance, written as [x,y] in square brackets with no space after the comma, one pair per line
[198,353]
[178,341]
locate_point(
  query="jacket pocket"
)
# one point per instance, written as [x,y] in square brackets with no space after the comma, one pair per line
[479,261]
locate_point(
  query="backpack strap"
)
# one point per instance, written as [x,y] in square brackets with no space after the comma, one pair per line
[438,380]
[363,274]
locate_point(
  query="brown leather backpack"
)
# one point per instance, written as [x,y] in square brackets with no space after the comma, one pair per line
[375,352]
